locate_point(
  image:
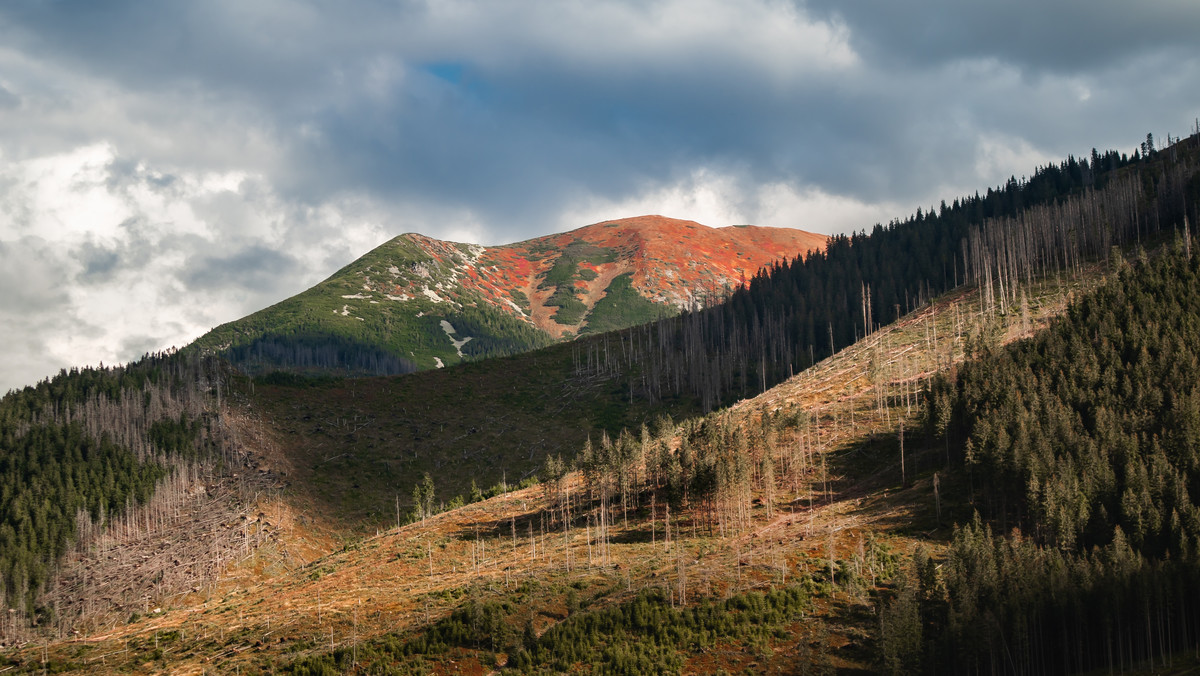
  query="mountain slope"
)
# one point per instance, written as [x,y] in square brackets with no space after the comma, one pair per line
[507,562]
[363,442]
[416,302]
[502,418]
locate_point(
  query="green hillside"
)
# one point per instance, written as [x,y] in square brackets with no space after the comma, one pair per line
[335,328]
[358,443]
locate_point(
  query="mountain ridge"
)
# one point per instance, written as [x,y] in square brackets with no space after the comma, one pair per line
[431,303]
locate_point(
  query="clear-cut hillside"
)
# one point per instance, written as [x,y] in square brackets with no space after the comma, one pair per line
[417,302]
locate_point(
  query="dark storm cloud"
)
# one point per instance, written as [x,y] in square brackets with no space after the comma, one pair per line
[510,119]
[1064,76]
[489,112]
[255,266]
[270,46]
[8,99]
[1062,36]
[540,138]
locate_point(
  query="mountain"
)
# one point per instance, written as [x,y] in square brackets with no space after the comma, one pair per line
[416,302]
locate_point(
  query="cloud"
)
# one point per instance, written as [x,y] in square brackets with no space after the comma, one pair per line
[166,167]
[718,200]
[361,105]
[513,110]
[99,263]
[8,99]
[31,275]
[102,259]
[1062,37]
[32,280]
[256,266]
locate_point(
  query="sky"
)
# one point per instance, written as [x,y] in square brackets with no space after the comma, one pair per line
[166,167]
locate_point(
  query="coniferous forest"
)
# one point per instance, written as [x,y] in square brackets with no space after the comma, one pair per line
[1081,445]
[318,353]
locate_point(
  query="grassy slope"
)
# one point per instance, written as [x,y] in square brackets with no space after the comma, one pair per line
[385,585]
[621,306]
[358,443]
[563,275]
[388,324]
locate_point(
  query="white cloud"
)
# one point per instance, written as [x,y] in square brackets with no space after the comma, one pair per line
[815,210]
[62,197]
[103,261]
[718,199]
[705,197]
[760,35]
[999,156]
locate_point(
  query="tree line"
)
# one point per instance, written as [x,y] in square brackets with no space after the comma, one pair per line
[315,353]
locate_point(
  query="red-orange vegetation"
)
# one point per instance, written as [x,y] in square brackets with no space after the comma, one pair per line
[672,261]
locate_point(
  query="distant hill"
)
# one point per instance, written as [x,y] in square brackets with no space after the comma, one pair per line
[416,302]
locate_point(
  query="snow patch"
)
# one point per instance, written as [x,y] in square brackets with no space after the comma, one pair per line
[431,294]
[374,302]
[356,296]
[473,253]
[439,362]
[514,306]
[449,329]
[345,310]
